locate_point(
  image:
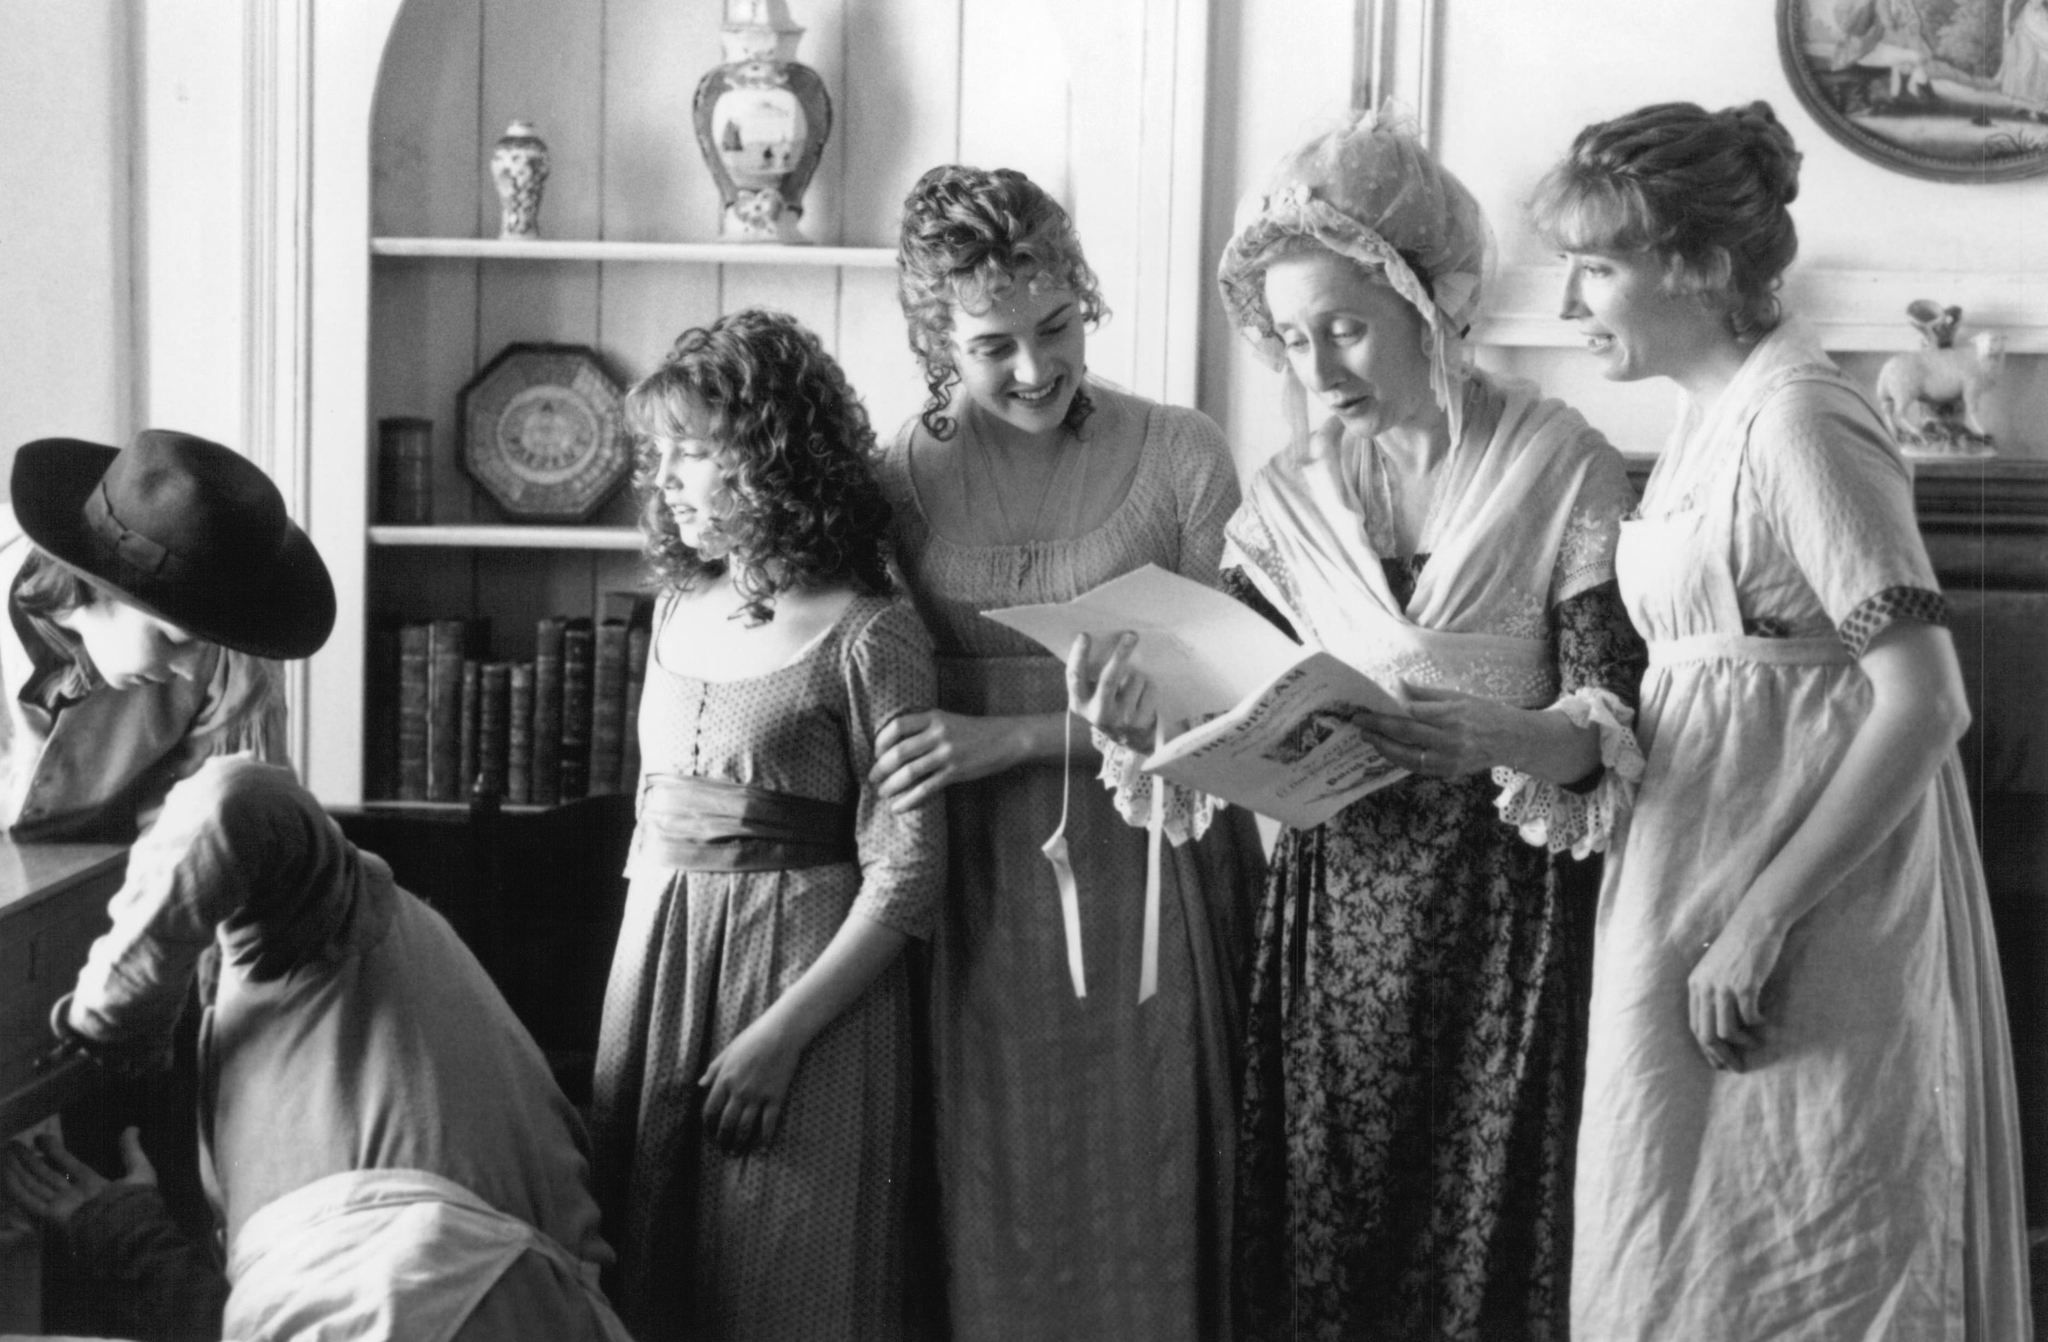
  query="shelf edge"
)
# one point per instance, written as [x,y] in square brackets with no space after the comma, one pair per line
[704,253]
[507,537]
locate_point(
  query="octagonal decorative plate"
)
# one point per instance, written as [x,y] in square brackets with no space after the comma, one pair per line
[543,432]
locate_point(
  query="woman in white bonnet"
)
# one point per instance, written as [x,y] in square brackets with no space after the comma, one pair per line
[1417,1009]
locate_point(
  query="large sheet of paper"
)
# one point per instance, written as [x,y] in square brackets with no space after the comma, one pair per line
[1274,721]
[1203,651]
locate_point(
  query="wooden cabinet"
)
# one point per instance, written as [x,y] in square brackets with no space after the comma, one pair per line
[53,905]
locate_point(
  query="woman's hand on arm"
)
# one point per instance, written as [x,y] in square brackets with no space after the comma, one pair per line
[918,754]
[1918,710]
[747,1083]
[1449,734]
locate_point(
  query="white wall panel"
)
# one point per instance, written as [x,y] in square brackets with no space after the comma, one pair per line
[65,271]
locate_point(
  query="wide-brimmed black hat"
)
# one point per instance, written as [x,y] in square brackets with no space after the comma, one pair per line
[183,528]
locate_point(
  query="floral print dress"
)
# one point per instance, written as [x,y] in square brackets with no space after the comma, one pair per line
[1418,997]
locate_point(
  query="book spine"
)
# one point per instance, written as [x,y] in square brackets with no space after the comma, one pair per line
[578,655]
[380,713]
[472,726]
[445,640]
[405,471]
[637,640]
[547,711]
[626,606]
[494,721]
[519,736]
[607,707]
[414,663]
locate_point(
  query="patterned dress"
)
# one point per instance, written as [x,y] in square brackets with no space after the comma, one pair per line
[1419,991]
[802,1238]
[1860,1177]
[1084,1145]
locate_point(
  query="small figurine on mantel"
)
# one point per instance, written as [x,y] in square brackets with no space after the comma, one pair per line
[1933,397]
[519,167]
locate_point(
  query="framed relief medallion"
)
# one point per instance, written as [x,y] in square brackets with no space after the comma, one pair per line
[1951,90]
[543,433]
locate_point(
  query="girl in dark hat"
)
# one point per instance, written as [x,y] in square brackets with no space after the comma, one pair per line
[147,592]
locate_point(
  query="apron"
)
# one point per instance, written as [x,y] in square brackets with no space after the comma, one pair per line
[1822,1192]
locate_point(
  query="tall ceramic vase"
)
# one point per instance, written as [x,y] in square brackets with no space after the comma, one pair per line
[761,121]
[519,167]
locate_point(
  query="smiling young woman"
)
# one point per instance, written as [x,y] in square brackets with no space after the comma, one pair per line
[1082,1142]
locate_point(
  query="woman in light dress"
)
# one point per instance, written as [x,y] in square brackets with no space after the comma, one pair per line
[1799,1118]
[753,1111]
[1083,1143]
[1418,996]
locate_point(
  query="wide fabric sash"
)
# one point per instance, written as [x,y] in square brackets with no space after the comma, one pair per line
[705,824]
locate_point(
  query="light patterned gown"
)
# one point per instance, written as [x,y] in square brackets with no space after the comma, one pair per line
[803,1238]
[1859,1179]
[1084,1145]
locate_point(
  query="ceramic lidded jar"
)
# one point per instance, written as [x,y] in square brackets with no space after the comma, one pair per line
[762,120]
[519,166]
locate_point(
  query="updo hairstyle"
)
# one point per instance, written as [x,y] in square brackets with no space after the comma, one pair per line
[1692,187]
[968,235]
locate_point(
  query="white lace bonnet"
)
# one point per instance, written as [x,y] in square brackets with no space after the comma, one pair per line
[1370,191]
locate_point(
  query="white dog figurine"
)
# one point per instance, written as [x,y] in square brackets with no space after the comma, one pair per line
[1933,397]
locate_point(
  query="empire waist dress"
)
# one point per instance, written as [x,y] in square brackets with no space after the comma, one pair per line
[803,1237]
[1084,1144]
[1858,1179]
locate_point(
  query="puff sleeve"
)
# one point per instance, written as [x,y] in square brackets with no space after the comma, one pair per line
[888,671]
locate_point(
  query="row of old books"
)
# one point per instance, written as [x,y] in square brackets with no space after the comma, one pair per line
[450,723]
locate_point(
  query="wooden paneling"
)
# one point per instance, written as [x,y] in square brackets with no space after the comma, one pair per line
[900,115]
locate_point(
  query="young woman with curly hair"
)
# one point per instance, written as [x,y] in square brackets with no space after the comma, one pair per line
[1083,1142]
[753,1078]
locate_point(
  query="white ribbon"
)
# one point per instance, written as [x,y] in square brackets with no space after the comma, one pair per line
[1055,850]
[1148,968]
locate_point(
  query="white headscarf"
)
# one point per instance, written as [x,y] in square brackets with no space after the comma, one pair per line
[1369,191]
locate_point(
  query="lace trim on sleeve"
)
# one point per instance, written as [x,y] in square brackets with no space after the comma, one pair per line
[1875,614]
[1582,823]
[1188,814]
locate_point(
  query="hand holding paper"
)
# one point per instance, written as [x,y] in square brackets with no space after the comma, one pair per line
[1119,700]
[1202,651]
[1275,722]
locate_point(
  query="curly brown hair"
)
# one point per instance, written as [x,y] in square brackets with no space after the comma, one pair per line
[968,235]
[1704,192]
[795,452]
